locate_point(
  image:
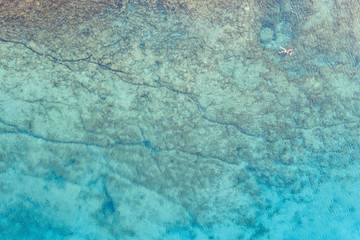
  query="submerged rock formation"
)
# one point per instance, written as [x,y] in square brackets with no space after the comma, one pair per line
[177,119]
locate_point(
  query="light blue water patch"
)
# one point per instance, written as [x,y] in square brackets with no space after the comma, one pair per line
[330,215]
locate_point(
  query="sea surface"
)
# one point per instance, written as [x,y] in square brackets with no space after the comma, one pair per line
[167,119]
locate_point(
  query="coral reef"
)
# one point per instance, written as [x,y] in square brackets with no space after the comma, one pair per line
[47,13]
[178,119]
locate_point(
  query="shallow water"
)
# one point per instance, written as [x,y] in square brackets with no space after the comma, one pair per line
[180,120]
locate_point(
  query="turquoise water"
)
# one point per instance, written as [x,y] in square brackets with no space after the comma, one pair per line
[167,121]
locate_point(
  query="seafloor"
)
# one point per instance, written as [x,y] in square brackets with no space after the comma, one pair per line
[179,120]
